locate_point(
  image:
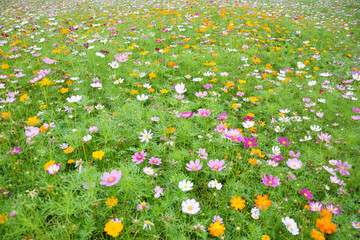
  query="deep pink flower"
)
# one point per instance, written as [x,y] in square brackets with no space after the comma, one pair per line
[109,179]
[250,142]
[284,141]
[307,194]
[277,158]
[15,151]
[216,165]
[271,181]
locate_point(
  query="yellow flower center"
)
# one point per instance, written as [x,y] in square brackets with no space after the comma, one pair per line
[146,136]
[294,165]
[216,167]
[143,204]
[270,182]
[111,179]
[342,168]
[139,157]
[155,161]
[283,142]
[194,168]
[147,222]
[305,194]
[190,208]
[250,143]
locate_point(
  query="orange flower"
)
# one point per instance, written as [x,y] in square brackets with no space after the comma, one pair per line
[325,223]
[5,115]
[70,149]
[315,234]
[48,164]
[216,229]
[113,228]
[111,202]
[263,202]
[24,97]
[252,161]
[237,203]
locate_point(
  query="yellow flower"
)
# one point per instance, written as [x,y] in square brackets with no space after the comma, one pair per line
[33,121]
[71,161]
[64,90]
[170,130]
[5,66]
[217,228]
[48,164]
[134,92]
[24,97]
[265,237]
[3,218]
[237,203]
[152,75]
[45,82]
[70,149]
[113,228]
[98,154]
[111,202]
[164,91]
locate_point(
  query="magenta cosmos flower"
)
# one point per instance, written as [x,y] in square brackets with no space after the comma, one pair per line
[331,207]
[109,179]
[307,194]
[271,181]
[194,166]
[139,157]
[204,112]
[284,141]
[342,167]
[16,150]
[216,165]
[277,158]
[250,142]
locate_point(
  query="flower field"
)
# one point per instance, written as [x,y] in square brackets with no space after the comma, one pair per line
[180,119]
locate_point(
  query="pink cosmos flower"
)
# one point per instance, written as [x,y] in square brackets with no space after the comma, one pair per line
[250,142]
[207,86]
[356,225]
[324,137]
[204,112]
[202,153]
[93,129]
[292,153]
[342,167]
[357,110]
[139,157]
[220,128]
[216,165]
[271,181]
[316,206]
[16,150]
[155,161]
[284,141]
[48,61]
[222,116]
[158,191]
[201,94]
[186,115]
[331,207]
[194,166]
[142,206]
[294,163]
[112,178]
[307,193]
[31,131]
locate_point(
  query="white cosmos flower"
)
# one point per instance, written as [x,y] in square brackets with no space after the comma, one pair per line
[145,136]
[74,99]
[215,184]
[276,150]
[180,88]
[248,124]
[114,64]
[185,185]
[190,206]
[120,80]
[300,65]
[315,128]
[87,138]
[100,55]
[197,79]
[142,97]
[312,83]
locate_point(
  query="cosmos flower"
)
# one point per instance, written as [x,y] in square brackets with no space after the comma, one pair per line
[190,206]
[74,99]
[145,136]
[216,165]
[294,163]
[112,178]
[185,185]
[307,193]
[284,141]
[271,181]
[194,166]
[342,167]
[52,169]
